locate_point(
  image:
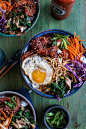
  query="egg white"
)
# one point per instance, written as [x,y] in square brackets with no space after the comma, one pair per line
[36,62]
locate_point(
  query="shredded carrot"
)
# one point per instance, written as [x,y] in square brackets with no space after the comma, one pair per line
[76,49]
[81,40]
[81,50]
[10,119]
[3,5]
[11,8]
[10,2]
[77,45]
[71,49]
[74,35]
[6,5]
[72,52]
[72,39]
[71,56]
[4,114]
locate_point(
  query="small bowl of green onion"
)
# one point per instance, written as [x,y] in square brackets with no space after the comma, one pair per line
[56,117]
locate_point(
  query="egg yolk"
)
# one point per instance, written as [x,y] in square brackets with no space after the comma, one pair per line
[38,76]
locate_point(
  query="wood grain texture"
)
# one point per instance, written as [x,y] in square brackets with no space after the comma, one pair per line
[75,104]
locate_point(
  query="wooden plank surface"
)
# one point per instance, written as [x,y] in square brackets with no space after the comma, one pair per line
[75,104]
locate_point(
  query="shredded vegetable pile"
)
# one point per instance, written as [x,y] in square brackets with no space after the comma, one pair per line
[16,16]
[13,115]
[66,55]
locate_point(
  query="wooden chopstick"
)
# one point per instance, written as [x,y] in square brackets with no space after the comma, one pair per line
[9,68]
[14,56]
[3,69]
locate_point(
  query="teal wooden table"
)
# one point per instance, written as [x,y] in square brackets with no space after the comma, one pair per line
[75,104]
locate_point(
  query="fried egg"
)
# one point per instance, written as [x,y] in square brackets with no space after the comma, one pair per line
[38,70]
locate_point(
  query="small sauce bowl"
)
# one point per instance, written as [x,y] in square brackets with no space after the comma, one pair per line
[59,109]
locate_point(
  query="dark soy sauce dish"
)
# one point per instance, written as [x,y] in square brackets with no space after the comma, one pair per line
[56,117]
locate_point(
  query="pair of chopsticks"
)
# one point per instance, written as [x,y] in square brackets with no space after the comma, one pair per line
[8,63]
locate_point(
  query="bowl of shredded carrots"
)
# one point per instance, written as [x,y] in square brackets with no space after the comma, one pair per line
[16,111]
[53,63]
[18,16]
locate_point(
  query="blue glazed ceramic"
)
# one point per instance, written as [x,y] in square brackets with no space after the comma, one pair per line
[2,57]
[22,97]
[58,107]
[45,32]
[33,22]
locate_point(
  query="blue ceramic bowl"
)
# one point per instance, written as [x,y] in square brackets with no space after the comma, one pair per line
[2,57]
[57,107]
[32,24]
[25,49]
[12,93]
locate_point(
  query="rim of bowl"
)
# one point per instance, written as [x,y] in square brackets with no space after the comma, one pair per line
[44,32]
[56,107]
[21,96]
[34,22]
[3,61]
[4,58]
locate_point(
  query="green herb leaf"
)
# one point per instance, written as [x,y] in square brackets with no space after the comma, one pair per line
[63,38]
[67,41]
[55,38]
[49,123]
[9,104]
[55,117]
[65,44]
[13,101]
[54,43]
[50,114]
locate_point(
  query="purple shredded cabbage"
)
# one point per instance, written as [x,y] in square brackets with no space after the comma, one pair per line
[80,71]
[2,20]
[78,84]
[72,71]
[70,64]
[84,75]
[58,97]
[77,62]
[79,68]
[84,65]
